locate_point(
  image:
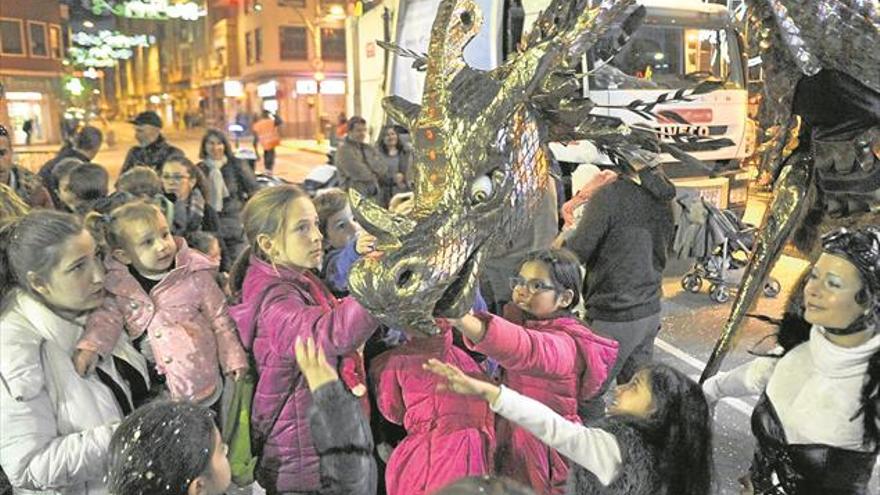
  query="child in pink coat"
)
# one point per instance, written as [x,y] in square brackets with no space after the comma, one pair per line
[449,436]
[547,354]
[165,296]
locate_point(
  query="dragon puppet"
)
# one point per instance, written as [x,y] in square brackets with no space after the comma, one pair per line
[822,83]
[480,153]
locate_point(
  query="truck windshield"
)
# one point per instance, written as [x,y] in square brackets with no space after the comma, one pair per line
[670,56]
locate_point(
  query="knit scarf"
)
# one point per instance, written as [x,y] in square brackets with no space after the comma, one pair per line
[188,214]
[218,185]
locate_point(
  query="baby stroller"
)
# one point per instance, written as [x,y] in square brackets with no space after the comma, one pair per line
[722,246]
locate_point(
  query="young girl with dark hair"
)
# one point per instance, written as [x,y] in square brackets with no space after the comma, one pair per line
[56,425]
[545,352]
[282,300]
[232,184]
[186,186]
[656,439]
[816,421]
[168,448]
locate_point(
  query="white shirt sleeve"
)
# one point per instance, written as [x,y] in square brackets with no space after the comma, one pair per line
[593,448]
[748,379]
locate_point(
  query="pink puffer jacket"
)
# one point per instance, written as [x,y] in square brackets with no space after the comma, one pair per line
[558,362]
[185,316]
[294,304]
[449,436]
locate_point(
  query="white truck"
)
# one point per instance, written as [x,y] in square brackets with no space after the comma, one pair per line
[681,43]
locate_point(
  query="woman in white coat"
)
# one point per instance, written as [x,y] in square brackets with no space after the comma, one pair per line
[816,424]
[56,426]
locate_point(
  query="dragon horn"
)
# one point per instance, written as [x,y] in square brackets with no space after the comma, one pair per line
[401,110]
[386,226]
[784,213]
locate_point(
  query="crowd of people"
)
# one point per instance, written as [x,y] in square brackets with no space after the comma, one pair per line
[128,315]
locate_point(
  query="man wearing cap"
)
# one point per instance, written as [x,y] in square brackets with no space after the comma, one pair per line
[152,149]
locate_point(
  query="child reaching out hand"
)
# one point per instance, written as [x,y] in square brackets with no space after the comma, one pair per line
[656,439]
[340,430]
[545,352]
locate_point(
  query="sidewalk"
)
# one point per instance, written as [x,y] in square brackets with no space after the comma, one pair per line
[307,145]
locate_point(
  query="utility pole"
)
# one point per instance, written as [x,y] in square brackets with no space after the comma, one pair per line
[314,28]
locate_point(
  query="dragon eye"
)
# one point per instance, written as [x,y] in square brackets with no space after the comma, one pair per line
[481,190]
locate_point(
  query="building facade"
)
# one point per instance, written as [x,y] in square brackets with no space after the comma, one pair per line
[32,46]
[291,56]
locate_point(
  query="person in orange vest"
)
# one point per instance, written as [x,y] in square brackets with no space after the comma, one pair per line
[266,133]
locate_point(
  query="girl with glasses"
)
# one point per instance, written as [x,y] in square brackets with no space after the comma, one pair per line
[545,352]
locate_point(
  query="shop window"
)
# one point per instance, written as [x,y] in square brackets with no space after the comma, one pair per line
[294,45]
[249,48]
[333,44]
[55,42]
[258,45]
[11,37]
[39,46]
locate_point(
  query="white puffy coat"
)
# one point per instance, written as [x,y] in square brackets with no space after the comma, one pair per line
[55,426]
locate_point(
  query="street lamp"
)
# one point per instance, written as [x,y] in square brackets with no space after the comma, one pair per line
[335,13]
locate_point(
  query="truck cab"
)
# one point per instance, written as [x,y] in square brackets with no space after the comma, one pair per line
[680,44]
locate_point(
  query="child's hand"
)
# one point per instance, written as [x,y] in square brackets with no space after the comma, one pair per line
[313,364]
[365,244]
[460,383]
[84,361]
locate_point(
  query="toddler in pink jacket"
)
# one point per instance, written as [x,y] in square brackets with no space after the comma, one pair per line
[546,353]
[449,436]
[165,296]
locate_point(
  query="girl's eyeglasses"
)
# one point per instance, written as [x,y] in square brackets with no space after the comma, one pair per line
[534,286]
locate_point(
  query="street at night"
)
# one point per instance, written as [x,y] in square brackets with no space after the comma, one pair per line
[439,247]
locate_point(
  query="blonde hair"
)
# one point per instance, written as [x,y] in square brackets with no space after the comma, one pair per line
[140,181]
[264,214]
[11,204]
[109,229]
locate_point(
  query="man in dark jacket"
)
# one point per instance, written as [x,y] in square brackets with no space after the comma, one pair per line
[83,149]
[152,149]
[622,239]
[359,165]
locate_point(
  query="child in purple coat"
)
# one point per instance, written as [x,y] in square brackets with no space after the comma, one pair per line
[283,300]
[547,354]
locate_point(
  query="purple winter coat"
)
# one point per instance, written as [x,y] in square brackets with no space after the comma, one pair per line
[558,362]
[449,436]
[296,304]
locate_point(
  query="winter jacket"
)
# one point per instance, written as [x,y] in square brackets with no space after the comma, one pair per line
[185,317]
[360,167]
[29,188]
[344,442]
[558,362]
[337,265]
[56,426]
[278,306]
[622,239]
[152,155]
[241,184]
[449,436]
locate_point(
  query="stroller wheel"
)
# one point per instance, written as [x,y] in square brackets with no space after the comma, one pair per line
[692,283]
[772,287]
[719,293]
